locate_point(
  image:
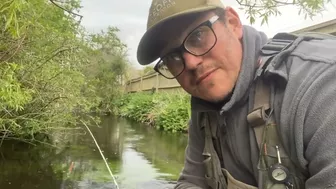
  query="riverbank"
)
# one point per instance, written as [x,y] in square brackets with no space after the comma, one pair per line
[164,111]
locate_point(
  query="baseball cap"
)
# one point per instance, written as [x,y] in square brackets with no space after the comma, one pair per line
[161,12]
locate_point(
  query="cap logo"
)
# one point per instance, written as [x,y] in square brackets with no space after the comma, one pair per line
[160,6]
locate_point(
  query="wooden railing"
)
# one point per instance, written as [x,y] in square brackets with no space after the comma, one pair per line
[152,82]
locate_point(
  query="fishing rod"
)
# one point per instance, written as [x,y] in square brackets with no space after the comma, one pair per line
[101,153]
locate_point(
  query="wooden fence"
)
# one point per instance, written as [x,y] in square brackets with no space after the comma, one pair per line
[152,82]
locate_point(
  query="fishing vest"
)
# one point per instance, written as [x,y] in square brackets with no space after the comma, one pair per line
[275,168]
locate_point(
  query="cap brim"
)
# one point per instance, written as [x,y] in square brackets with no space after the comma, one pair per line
[152,42]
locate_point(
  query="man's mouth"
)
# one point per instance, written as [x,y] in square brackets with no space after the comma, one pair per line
[204,76]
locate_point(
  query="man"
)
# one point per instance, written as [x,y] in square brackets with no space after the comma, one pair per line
[258,120]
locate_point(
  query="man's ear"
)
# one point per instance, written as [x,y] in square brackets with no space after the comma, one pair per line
[233,22]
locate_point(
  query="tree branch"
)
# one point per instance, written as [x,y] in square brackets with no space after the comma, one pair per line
[14,48]
[279,4]
[55,53]
[51,101]
[70,12]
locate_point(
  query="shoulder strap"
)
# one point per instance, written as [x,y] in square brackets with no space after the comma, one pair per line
[261,109]
[274,46]
[261,105]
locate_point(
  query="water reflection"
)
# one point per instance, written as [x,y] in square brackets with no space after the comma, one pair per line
[135,154]
[21,167]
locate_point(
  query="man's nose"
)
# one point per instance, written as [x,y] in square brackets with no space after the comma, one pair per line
[191,61]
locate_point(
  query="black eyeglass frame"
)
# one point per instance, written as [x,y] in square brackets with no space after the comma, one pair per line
[181,49]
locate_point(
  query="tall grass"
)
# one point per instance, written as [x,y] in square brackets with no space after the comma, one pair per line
[165,111]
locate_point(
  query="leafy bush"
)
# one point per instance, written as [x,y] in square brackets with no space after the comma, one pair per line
[165,111]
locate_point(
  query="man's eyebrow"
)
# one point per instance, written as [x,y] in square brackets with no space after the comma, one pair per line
[174,50]
[171,44]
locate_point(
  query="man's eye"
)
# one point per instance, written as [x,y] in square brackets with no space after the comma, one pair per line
[174,57]
[198,37]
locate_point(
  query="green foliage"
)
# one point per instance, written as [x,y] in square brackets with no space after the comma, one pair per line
[51,69]
[107,66]
[265,8]
[12,95]
[169,112]
[148,69]
[137,106]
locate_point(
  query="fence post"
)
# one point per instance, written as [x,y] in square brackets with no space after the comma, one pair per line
[141,83]
[128,86]
[157,82]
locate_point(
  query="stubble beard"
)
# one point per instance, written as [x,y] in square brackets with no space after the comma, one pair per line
[213,98]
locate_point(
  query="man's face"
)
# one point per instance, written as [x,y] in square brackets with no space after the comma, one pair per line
[213,75]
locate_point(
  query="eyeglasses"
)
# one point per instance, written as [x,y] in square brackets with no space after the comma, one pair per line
[198,42]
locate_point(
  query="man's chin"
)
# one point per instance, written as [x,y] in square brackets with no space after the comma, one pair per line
[211,94]
[215,99]
[215,96]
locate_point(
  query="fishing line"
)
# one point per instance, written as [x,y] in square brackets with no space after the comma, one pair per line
[101,153]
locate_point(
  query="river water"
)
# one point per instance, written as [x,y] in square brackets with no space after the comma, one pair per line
[139,157]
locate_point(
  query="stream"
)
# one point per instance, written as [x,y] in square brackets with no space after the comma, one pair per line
[138,156]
